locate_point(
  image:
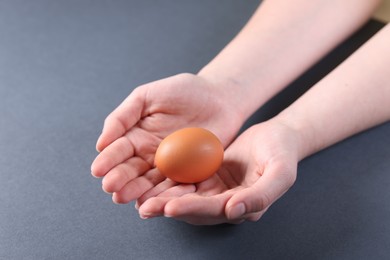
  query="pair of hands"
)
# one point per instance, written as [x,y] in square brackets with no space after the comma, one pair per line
[259,166]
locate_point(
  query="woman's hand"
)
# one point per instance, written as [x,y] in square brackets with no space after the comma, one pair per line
[133,131]
[258,168]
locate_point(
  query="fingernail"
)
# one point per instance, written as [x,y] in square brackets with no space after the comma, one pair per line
[98,144]
[148,215]
[144,216]
[236,211]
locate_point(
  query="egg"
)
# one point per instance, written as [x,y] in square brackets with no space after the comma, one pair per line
[189,155]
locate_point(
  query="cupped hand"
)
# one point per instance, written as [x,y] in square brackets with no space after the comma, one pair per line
[133,131]
[258,168]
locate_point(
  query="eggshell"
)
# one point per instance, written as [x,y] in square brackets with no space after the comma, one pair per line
[189,155]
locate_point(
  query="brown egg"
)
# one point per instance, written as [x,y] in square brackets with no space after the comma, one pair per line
[189,155]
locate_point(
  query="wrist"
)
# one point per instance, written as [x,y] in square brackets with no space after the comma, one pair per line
[301,129]
[238,95]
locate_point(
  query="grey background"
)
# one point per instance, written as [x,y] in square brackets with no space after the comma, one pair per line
[64,65]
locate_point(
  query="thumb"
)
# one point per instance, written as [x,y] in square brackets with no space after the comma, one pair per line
[274,182]
[125,116]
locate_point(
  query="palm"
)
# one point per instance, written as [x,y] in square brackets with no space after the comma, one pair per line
[257,151]
[134,130]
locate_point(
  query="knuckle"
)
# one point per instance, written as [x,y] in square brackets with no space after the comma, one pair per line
[290,178]
[185,78]
[264,201]
[137,90]
[260,203]
[185,75]
[138,93]
[287,174]
[107,120]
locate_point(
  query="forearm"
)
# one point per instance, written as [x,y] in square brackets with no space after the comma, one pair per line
[352,98]
[280,42]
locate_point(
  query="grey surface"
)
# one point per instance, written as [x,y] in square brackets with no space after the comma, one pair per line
[64,65]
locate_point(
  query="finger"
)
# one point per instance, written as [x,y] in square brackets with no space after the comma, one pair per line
[145,143]
[135,188]
[274,182]
[117,152]
[210,218]
[121,174]
[197,206]
[178,190]
[195,209]
[125,116]
[155,206]
[198,220]
[208,187]
[153,192]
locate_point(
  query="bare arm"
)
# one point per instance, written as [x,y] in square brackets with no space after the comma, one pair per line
[282,39]
[352,98]
[280,42]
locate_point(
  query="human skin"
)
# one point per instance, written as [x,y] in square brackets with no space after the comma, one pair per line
[299,32]
[261,164]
